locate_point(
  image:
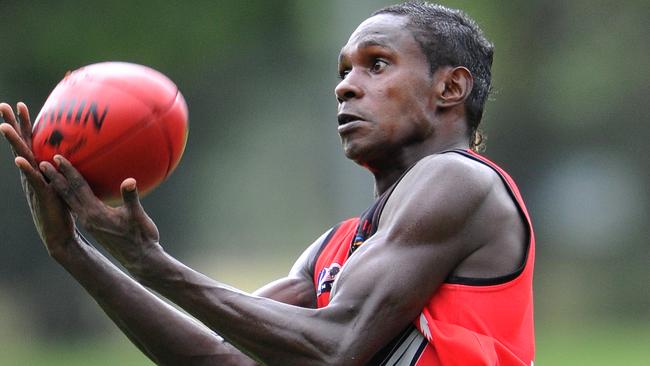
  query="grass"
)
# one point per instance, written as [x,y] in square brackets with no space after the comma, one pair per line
[594,345]
[111,352]
[575,344]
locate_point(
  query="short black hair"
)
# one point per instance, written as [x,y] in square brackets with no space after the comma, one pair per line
[449,37]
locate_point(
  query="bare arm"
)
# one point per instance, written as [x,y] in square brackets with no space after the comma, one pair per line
[422,236]
[166,335]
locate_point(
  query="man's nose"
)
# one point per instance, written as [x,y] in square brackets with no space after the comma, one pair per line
[348,88]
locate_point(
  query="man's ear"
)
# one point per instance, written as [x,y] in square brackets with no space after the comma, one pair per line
[455,86]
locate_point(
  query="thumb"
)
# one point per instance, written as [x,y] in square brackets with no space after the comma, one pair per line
[130,197]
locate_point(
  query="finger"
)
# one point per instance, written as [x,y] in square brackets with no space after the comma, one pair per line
[130,196]
[76,181]
[18,145]
[24,122]
[60,185]
[5,129]
[33,176]
[8,116]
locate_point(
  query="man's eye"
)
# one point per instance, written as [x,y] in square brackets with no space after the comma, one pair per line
[343,74]
[378,66]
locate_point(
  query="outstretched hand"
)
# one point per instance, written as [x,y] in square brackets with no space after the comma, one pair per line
[52,218]
[127,232]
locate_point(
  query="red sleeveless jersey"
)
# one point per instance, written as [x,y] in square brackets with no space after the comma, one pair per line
[467,322]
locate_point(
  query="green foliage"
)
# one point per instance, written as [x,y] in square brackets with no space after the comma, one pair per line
[263,174]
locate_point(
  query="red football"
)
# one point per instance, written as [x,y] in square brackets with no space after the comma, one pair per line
[112,121]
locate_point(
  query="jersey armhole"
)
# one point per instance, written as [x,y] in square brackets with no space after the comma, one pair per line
[498,280]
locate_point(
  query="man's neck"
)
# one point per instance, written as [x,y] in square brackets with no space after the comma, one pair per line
[386,176]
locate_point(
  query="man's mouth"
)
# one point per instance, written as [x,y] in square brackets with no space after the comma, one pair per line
[345,118]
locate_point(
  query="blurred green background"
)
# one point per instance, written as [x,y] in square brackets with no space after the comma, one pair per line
[263,174]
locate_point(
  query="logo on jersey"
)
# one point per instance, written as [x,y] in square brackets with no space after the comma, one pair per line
[356,243]
[424,327]
[326,278]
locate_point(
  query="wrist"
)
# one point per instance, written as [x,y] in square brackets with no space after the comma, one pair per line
[68,250]
[148,264]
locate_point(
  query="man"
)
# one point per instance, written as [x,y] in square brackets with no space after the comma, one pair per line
[438,271]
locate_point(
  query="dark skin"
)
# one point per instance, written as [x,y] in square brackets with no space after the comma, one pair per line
[447,216]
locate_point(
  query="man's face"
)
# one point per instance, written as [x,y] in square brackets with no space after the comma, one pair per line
[385,95]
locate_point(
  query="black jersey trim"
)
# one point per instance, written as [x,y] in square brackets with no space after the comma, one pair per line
[498,280]
[381,203]
[405,349]
[488,281]
[382,357]
[321,247]
[419,352]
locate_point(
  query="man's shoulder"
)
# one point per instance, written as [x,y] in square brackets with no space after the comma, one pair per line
[451,172]
[446,187]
